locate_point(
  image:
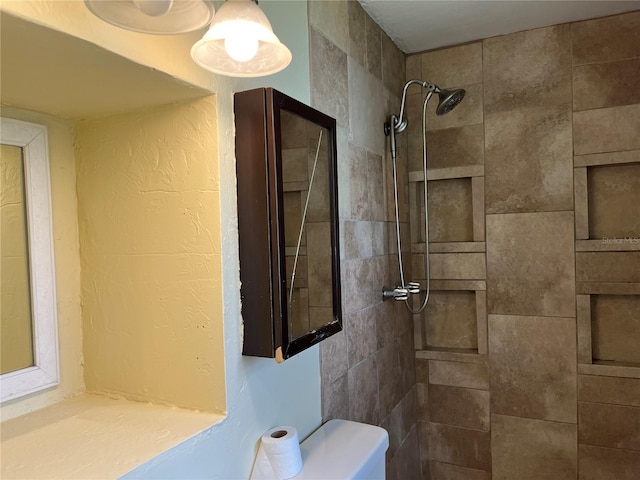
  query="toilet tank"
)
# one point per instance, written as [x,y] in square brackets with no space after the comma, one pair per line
[344,450]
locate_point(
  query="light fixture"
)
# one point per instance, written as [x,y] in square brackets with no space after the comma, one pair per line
[163,17]
[241,43]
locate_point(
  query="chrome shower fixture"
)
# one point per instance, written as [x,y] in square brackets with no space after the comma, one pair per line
[448,100]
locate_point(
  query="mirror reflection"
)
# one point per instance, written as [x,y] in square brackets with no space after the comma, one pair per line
[16,345]
[307,224]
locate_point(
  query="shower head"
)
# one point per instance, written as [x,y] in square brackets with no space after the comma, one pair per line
[449,99]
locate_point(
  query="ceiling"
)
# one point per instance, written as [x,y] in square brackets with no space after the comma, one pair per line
[418,25]
[52,72]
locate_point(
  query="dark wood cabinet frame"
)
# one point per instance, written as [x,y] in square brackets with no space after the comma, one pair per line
[261,223]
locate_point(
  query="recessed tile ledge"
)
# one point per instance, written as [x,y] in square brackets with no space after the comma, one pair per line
[452,354]
[92,436]
[610,369]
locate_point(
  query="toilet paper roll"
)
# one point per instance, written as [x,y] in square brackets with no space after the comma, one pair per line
[282,448]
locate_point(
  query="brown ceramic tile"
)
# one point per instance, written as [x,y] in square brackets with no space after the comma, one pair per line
[583,323]
[360,327]
[453,67]
[422,395]
[609,425]
[394,426]
[413,109]
[451,147]
[413,67]
[423,434]
[599,463]
[408,457]
[610,158]
[608,267]
[619,391]
[379,240]
[409,409]
[365,116]
[450,209]
[458,266]
[526,449]
[538,247]
[526,69]
[391,472]
[357,239]
[533,367]
[469,112]
[478,207]
[389,379]
[615,328]
[385,324]
[458,374]
[460,446]
[357,22]
[344,173]
[450,320]
[606,39]
[606,85]
[529,160]
[363,392]
[445,471]
[332,19]
[335,399]
[393,72]
[422,370]
[606,129]
[614,196]
[374,48]
[461,407]
[609,369]
[406,357]
[360,207]
[333,357]
[375,180]
[329,84]
[581,203]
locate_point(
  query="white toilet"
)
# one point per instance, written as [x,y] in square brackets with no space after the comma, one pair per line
[344,450]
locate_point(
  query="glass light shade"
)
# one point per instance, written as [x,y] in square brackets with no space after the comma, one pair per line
[162,17]
[241,43]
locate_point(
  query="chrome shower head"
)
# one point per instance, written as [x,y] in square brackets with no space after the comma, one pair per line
[449,99]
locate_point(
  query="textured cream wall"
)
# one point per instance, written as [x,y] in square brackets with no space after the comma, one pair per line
[149,235]
[15,312]
[67,262]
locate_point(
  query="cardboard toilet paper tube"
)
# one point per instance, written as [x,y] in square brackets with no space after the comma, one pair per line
[282,448]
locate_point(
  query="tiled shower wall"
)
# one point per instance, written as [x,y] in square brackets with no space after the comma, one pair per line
[368,372]
[528,360]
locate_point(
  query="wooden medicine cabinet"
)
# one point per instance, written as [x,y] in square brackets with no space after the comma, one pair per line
[288,223]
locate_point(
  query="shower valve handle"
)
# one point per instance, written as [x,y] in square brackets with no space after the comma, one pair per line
[413,287]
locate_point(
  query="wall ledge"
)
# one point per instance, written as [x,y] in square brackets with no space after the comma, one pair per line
[92,436]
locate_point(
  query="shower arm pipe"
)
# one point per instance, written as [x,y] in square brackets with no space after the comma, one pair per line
[397,121]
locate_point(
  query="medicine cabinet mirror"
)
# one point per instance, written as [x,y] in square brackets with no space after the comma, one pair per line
[288,224]
[28,332]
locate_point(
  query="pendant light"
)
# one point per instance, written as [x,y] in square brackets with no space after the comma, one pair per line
[162,17]
[241,43]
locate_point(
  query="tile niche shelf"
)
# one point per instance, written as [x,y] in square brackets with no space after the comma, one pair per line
[607,223]
[458,263]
